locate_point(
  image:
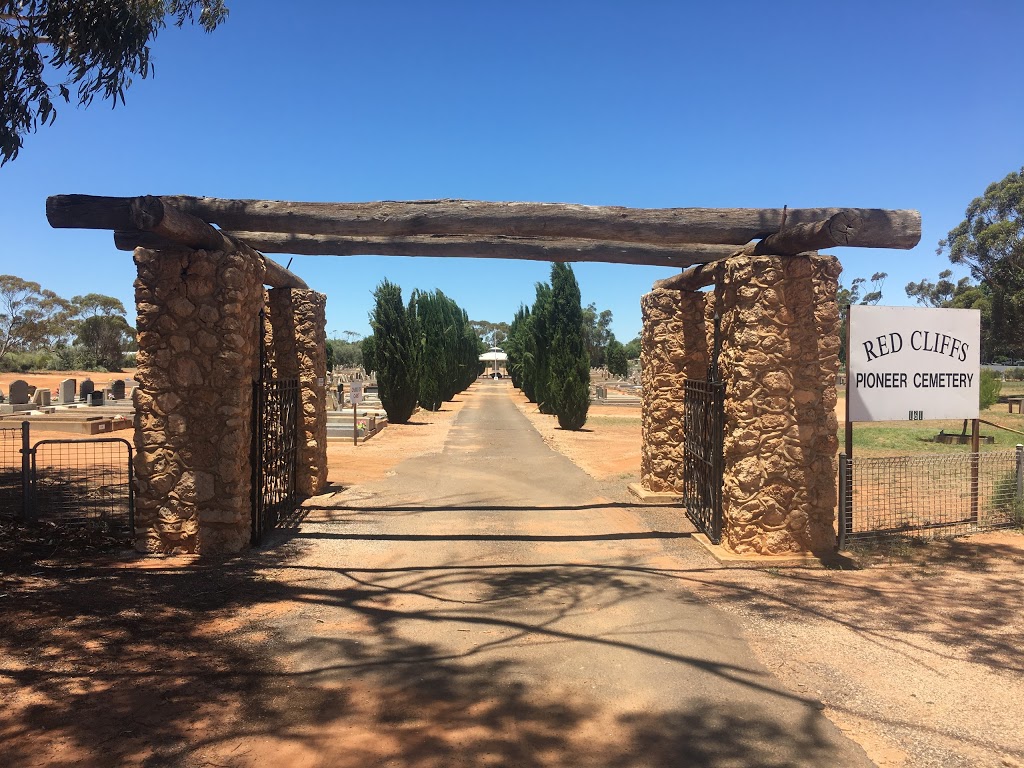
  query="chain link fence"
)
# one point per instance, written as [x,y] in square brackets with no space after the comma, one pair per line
[930,496]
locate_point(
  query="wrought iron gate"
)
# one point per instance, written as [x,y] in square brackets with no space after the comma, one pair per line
[275,437]
[275,447]
[703,422]
[703,445]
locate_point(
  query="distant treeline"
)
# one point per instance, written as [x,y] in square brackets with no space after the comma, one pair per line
[40,330]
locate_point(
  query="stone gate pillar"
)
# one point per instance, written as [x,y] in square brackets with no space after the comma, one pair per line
[673,347]
[198,324]
[661,378]
[298,323]
[779,360]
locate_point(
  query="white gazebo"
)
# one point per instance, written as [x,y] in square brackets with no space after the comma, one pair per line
[494,356]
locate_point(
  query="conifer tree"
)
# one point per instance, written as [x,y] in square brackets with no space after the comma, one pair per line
[433,360]
[539,349]
[570,361]
[396,352]
[368,348]
[615,354]
[515,348]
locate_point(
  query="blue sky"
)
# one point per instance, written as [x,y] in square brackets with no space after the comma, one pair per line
[648,104]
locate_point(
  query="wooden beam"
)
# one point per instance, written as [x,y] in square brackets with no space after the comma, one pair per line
[703,275]
[841,229]
[692,279]
[527,248]
[656,226]
[276,276]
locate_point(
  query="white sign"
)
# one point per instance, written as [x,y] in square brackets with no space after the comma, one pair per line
[355,391]
[912,364]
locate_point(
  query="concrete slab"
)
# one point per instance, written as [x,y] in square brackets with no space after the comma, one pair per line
[654,497]
[733,560]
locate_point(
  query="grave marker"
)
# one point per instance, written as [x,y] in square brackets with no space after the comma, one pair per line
[66,391]
[19,392]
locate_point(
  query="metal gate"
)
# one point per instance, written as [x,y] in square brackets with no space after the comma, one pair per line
[275,433]
[275,448]
[703,426]
[74,481]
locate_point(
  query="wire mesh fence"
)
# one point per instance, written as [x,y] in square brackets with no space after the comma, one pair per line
[12,484]
[929,495]
[83,481]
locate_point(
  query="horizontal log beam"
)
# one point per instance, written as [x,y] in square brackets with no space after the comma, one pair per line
[525,248]
[275,276]
[692,279]
[657,226]
[702,275]
[841,229]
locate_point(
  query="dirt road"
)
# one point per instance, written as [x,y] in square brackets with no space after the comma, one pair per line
[488,605]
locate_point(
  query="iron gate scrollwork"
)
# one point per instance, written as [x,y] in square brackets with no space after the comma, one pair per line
[275,449]
[703,417]
[703,444]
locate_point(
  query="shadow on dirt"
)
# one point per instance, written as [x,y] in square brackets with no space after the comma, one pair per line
[157,664]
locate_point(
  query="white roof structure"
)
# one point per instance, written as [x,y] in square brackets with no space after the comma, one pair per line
[493,355]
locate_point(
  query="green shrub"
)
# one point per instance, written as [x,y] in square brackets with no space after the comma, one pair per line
[618,364]
[989,387]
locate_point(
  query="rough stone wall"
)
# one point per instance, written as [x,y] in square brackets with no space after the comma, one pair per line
[673,347]
[661,375]
[779,359]
[197,361]
[299,339]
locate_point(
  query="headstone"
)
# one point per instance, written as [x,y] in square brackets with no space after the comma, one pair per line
[96,398]
[66,391]
[41,398]
[117,389]
[31,389]
[86,389]
[19,392]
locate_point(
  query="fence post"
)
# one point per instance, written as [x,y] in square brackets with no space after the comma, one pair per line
[1020,473]
[27,507]
[844,512]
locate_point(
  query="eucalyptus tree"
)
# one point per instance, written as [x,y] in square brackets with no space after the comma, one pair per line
[95,47]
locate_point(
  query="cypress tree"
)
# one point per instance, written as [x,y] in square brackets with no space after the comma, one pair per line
[433,362]
[367,347]
[396,352]
[515,347]
[615,354]
[570,362]
[539,349]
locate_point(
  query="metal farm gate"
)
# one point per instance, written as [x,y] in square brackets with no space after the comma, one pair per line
[87,480]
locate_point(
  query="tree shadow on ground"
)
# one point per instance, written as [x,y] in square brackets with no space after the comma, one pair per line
[260,661]
[916,596]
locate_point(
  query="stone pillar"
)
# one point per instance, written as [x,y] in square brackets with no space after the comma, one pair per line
[298,322]
[661,376]
[198,323]
[779,360]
